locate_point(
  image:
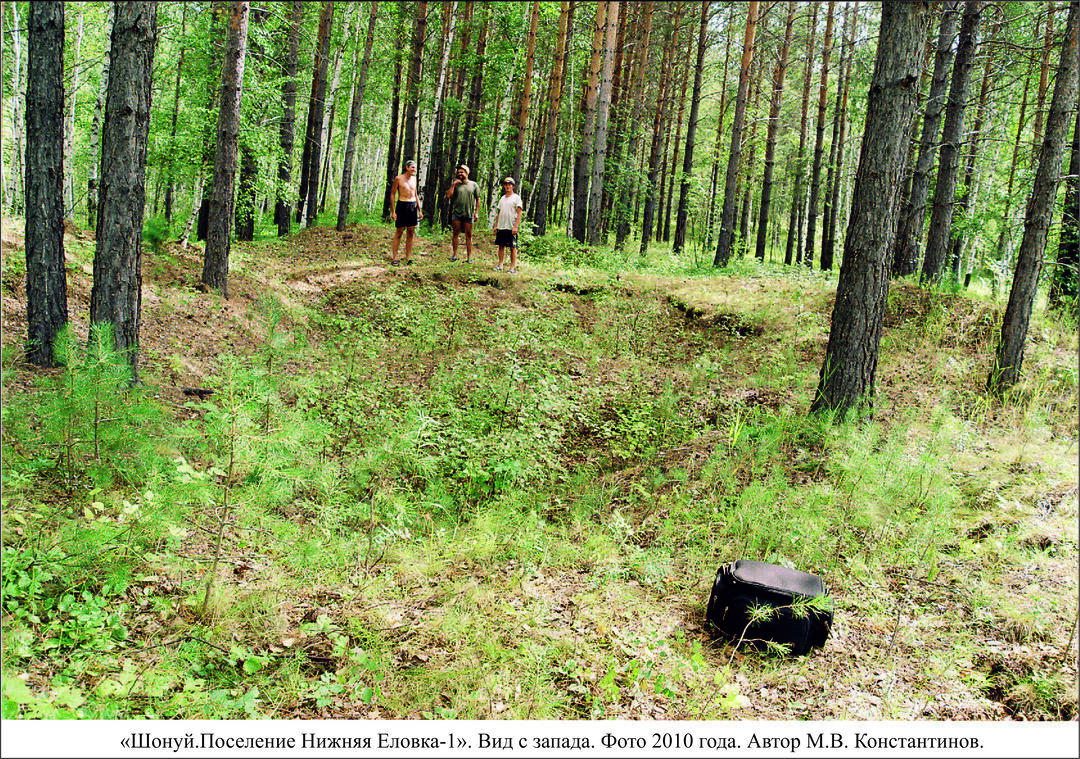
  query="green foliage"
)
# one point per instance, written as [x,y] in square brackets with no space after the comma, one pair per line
[156,232]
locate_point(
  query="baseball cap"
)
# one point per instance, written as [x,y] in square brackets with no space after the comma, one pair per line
[409,163]
[510,180]
[464,168]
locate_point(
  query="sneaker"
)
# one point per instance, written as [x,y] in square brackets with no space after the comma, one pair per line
[513,270]
[395,262]
[454,258]
[498,268]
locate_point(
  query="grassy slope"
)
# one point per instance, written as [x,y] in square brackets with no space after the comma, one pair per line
[445,492]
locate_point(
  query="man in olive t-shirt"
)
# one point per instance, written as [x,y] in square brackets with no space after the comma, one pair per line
[464,195]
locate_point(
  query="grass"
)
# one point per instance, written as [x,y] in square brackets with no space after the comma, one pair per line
[439,494]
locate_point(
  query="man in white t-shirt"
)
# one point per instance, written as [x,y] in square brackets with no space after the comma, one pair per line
[506,228]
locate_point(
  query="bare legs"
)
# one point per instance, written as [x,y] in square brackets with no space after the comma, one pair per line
[458,227]
[410,232]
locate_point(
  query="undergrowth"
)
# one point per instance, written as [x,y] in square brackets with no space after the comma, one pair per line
[474,503]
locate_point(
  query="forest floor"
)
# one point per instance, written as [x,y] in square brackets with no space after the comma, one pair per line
[441,491]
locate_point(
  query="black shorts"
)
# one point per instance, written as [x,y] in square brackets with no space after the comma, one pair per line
[463,218]
[505,238]
[406,213]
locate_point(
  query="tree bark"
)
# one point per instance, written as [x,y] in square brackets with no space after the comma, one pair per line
[913,212]
[1065,284]
[591,83]
[547,172]
[116,298]
[847,374]
[287,137]
[1009,356]
[770,136]
[691,130]
[819,139]
[215,274]
[793,246]
[1006,217]
[359,87]
[727,217]
[46,277]
[310,160]
[603,110]
[949,155]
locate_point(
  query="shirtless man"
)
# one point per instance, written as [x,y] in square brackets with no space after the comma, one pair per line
[464,197]
[405,211]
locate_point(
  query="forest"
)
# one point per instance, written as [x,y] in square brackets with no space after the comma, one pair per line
[798,283]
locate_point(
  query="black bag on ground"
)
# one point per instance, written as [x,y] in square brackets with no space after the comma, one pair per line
[743,585]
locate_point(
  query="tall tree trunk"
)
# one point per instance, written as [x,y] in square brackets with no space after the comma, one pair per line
[287,138]
[1009,357]
[245,193]
[1065,283]
[431,158]
[819,139]
[412,84]
[691,128]
[676,153]
[650,190]
[116,297]
[311,160]
[1044,79]
[526,90]
[718,147]
[967,193]
[393,154]
[69,131]
[793,246]
[949,155]
[46,277]
[626,184]
[94,169]
[16,175]
[591,82]
[847,374]
[725,243]
[1006,217]
[359,87]
[913,212]
[603,109]
[770,136]
[335,86]
[749,158]
[215,274]
[547,172]
[470,145]
[170,181]
[836,148]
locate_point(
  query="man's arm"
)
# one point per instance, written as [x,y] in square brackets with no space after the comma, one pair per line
[476,211]
[517,219]
[393,199]
[450,192]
